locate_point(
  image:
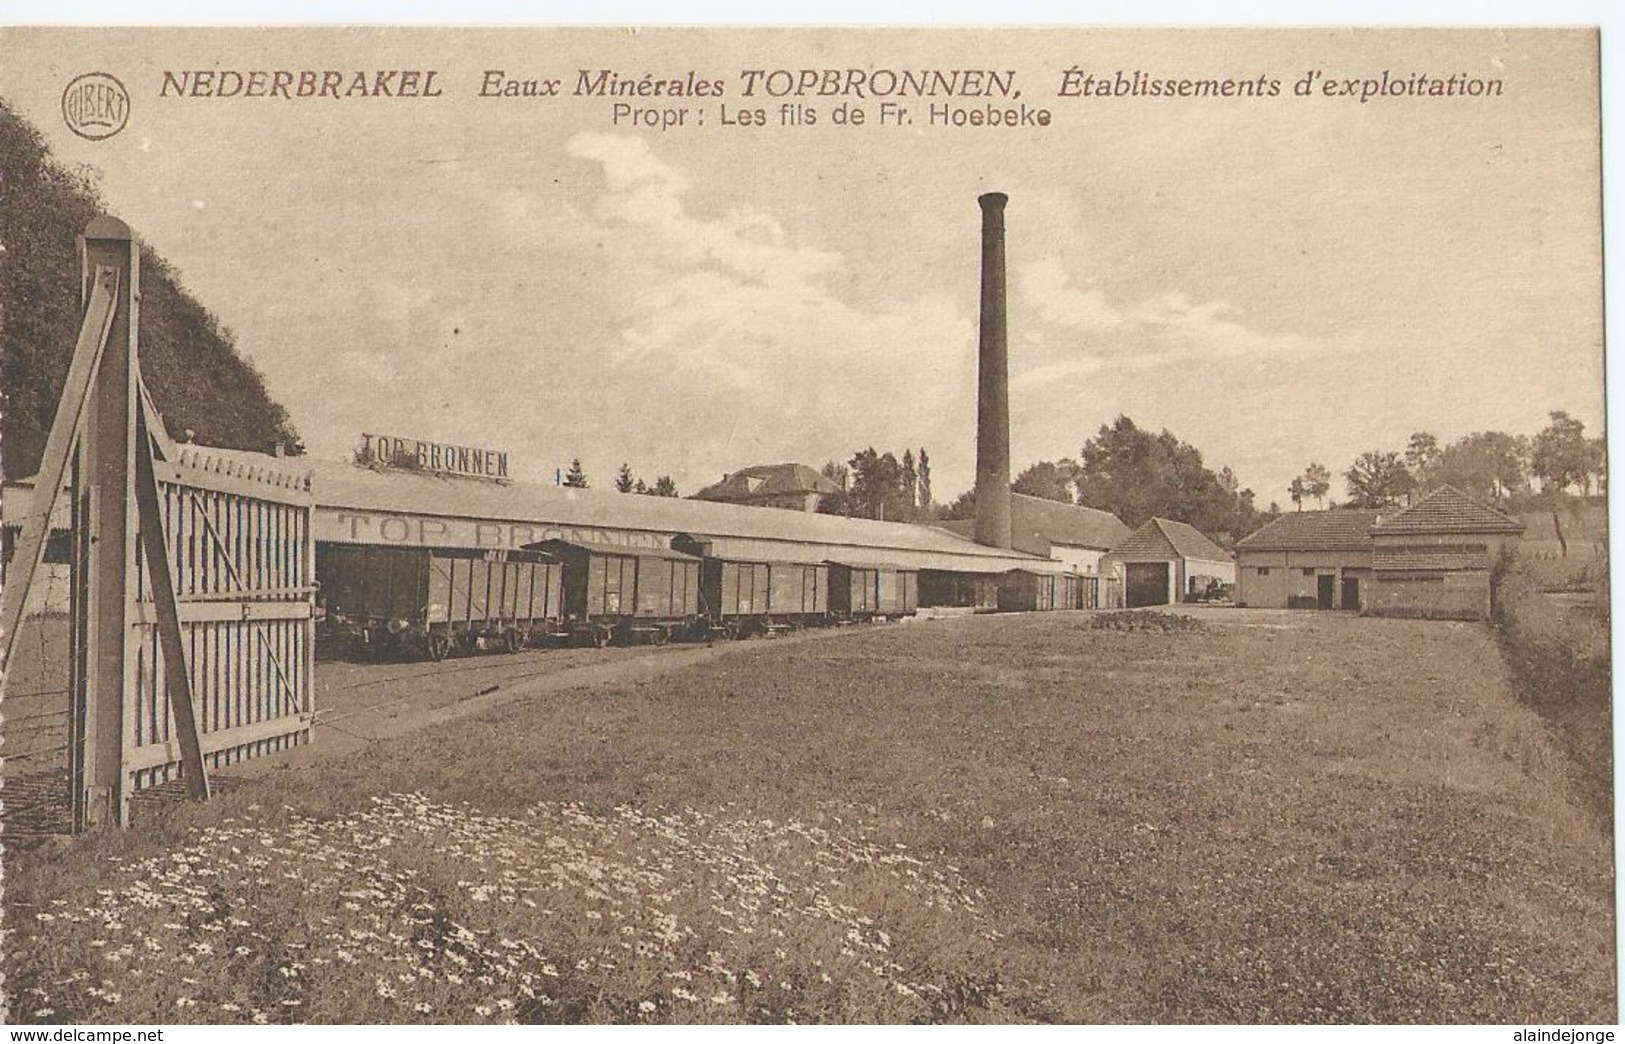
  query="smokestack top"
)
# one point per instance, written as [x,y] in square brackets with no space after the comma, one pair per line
[992,200]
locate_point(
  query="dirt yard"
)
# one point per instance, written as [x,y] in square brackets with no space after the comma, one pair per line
[1275,817]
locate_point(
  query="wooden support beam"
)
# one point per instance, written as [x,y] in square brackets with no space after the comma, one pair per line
[107,452]
[59,444]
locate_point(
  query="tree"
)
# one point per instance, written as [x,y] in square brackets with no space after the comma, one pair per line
[872,485]
[877,486]
[1049,480]
[961,507]
[624,482]
[1298,490]
[1378,479]
[1317,479]
[910,476]
[1487,465]
[575,478]
[924,467]
[189,359]
[1561,455]
[1421,457]
[1137,476]
[663,487]
[839,502]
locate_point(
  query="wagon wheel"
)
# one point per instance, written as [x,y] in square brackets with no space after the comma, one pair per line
[731,631]
[660,636]
[512,640]
[600,637]
[438,645]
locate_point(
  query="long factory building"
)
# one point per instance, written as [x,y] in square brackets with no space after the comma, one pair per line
[381,506]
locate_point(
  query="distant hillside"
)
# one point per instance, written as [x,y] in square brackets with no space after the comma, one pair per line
[1585,531]
[189,360]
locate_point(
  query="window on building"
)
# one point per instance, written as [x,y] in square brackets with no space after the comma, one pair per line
[1309,572]
[1263,570]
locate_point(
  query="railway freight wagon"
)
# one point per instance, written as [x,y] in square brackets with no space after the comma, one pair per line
[872,592]
[745,598]
[1021,591]
[741,597]
[435,602]
[613,595]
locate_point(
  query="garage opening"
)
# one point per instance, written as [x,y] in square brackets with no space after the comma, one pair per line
[1146,583]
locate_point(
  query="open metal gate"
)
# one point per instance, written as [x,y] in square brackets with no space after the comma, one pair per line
[190,630]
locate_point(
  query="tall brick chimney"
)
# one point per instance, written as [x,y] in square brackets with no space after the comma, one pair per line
[993,386]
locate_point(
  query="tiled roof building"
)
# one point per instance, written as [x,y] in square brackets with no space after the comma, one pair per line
[1432,559]
[1166,561]
[793,486]
[1435,558]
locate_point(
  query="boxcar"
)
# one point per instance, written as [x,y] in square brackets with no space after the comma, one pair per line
[1023,591]
[1069,591]
[744,598]
[870,592]
[616,595]
[432,602]
[741,597]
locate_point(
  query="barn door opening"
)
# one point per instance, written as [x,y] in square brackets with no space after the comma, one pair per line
[1351,592]
[1147,583]
[1326,591]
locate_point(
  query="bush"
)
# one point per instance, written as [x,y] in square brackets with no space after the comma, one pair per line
[1559,651]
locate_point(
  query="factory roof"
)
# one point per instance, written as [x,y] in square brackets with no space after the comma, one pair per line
[776,534]
[1340,529]
[1036,524]
[1446,510]
[737,530]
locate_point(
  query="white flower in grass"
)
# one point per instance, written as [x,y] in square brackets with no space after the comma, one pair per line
[646,1006]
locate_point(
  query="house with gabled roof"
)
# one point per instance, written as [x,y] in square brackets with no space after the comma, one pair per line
[1164,562]
[1307,560]
[1435,559]
[796,487]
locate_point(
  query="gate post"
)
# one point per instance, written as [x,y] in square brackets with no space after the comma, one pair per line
[107,559]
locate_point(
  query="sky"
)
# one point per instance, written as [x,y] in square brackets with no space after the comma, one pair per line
[1276,280]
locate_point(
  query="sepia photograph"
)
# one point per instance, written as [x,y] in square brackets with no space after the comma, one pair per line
[805,525]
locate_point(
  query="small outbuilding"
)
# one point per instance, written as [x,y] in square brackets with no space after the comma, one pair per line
[1435,559]
[1164,562]
[1308,560]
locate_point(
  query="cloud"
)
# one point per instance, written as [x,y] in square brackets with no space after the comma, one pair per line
[1081,332]
[646,193]
[735,314]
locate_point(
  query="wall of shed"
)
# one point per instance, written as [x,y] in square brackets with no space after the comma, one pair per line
[1272,579]
[1084,560]
[1445,595]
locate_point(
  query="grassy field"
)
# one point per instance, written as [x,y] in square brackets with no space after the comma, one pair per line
[1279,817]
[1585,534]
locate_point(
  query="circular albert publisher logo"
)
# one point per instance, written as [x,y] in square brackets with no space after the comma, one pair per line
[95,106]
